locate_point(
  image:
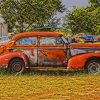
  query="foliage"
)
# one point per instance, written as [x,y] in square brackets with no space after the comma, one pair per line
[94,2]
[85,20]
[61,31]
[24,15]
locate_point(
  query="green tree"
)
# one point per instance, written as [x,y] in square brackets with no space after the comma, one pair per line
[24,15]
[85,20]
[94,2]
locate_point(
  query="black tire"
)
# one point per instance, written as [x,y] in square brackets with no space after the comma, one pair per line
[93,67]
[16,66]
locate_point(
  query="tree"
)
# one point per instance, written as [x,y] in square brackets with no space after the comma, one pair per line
[94,2]
[24,15]
[85,20]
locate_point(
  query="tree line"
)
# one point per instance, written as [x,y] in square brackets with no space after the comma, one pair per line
[29,15]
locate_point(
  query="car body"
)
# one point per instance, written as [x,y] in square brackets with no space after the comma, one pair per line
[97,39]
[88,38]
[35,50]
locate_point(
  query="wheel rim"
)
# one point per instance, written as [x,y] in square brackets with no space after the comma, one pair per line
[94,67]
[17,67]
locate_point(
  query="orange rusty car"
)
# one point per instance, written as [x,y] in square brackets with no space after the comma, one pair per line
[43,50]
[33,49]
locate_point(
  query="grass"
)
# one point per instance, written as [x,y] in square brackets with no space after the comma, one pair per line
[49,85]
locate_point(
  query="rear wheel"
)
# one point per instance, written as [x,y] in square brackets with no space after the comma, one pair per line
[16,66]
[93,67]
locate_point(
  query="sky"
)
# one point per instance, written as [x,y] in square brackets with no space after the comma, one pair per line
[69,4]
[79,3]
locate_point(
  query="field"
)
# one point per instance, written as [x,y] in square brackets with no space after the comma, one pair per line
[49,85]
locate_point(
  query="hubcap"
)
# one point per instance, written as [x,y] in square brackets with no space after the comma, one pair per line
[94,67]
[17,67]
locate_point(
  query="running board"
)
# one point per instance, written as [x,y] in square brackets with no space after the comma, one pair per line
[48,68]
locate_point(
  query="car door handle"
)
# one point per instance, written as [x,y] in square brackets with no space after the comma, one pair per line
[10,49]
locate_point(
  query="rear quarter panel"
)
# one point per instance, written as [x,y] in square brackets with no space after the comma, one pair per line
[79,61]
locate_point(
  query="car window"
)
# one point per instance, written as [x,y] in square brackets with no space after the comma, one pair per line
[77,51]
[51,41]
[27,41]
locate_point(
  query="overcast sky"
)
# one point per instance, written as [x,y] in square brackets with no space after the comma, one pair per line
[79,3]
[72,3]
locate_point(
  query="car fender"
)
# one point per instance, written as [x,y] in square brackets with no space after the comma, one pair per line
[79,61]
[6,58]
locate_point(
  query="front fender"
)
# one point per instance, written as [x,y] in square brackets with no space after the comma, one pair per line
[6,58]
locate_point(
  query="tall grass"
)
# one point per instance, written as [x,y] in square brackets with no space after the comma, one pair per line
[49,85]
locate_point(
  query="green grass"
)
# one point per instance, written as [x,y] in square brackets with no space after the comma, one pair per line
[49,85]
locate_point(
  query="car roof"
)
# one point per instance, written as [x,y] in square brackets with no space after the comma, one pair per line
[84,45]
[29,34]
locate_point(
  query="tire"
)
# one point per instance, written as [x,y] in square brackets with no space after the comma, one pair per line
[93,67]
[16,66]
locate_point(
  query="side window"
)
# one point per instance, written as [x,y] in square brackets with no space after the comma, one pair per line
[77,51]
[51,41]
[27,41]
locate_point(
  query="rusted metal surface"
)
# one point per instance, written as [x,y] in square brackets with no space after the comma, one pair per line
[51,57]
[45,49]
[28,34]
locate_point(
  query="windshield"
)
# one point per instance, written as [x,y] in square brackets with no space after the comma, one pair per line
[64,39]
[77,51]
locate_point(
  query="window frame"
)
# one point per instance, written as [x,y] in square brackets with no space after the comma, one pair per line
[57,45]
[26,44]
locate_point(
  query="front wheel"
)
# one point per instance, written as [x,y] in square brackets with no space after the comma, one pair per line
[93,67]
[16,66]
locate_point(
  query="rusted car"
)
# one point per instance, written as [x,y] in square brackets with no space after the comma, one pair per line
[43,50]
[33,49]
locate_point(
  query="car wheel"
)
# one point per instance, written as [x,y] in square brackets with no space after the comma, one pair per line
[93,67]
[16,66]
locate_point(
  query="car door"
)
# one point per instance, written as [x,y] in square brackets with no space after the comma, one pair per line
[28,45]
[51,52]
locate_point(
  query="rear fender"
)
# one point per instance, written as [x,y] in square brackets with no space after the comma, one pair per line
[80,61]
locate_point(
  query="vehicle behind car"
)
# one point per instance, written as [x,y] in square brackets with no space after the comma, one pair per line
[4,40]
